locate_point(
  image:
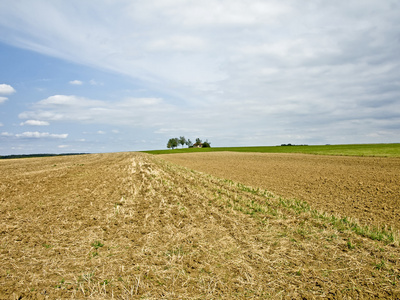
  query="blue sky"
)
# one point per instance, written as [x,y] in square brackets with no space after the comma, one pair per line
[106,76]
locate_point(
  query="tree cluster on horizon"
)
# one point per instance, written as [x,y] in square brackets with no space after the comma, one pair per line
[174,142]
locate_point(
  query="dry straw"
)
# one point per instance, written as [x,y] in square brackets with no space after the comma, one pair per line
[130,225]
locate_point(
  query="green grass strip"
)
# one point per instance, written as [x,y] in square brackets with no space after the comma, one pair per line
[381,150]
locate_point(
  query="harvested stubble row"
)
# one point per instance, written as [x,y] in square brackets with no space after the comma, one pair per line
[130,225]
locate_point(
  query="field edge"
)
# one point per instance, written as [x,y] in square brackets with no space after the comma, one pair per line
[379,150]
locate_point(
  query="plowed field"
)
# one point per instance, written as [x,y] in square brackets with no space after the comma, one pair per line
[133,226]
[364,188]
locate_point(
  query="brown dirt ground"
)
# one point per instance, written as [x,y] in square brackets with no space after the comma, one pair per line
[364,188]
[133,226]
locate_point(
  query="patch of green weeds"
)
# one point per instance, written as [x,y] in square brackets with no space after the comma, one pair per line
[282,234]
[159,282]
[86,277]
[381,265]
[350,245]
[47,246]
[248,189]
[59,285]
[326,273]
[273,212]
[97,244]
[175,251]
[303,231]
[342,224]
[105,282]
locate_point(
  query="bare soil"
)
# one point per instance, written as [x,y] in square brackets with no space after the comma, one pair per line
[133,226]
[363,188]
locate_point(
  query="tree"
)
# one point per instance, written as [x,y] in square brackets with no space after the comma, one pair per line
[172,143]
[182,140]
[176,142]
[206,144]
[169,144]
[189,143]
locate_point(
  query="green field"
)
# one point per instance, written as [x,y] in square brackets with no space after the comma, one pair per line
[386,150]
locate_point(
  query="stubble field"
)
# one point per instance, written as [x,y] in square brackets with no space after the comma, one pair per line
[132,225]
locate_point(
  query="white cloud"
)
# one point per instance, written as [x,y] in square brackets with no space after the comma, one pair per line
[101,132]
[6,89]
[63,146]
[6,134]
[36,134]
[213,14]
[76,82]
[140,112]
[68,101]
[94,82]
[35,123]
[1,124]
[177,43]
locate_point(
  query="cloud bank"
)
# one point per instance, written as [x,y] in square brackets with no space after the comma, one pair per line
[35,123]
[140,112]
[245,72]
[35,135]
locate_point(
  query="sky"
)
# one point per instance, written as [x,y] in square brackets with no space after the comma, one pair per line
[128,75]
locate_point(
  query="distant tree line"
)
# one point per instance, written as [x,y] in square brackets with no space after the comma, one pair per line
[174,142]
[36,155]
[292,145]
